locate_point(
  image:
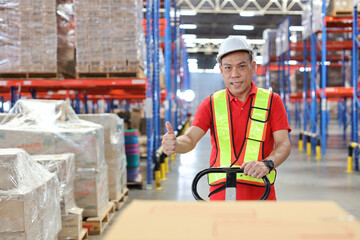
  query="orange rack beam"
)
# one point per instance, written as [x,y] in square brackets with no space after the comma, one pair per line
[330,92]
[330,46]
[76,84]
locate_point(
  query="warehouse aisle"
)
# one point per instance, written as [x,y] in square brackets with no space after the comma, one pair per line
[301,177]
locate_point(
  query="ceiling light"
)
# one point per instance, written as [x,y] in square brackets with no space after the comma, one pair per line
[242,36]
[188,36]
[292,62]
[187,13]
[189,95]
[259,60]
[256,41]
[296,28]
[188,26]
[243,27]
[247,13]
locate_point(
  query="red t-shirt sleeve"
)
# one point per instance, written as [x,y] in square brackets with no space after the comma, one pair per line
[202,118]
[278,116]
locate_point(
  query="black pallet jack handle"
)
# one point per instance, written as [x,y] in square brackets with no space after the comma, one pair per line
[230,180]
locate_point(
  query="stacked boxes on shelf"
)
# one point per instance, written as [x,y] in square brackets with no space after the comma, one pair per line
[64,167]
[114,145]
[341,8]
[29,198]
[132,154]
[109,36]
[66,37]
[29,36]
[52,127]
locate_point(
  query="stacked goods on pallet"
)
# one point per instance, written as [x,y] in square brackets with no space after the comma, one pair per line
[52,127]
[66,37]
[114,145]
[132,154]
[109,36]
[341,8]
[29,198]
[63,165]
[29,36]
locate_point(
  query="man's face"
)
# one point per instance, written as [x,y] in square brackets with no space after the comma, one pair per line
[237,71]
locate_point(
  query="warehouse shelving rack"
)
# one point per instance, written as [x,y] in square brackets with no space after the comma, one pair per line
[174,52]
[355,76]
[312,94]
[125,88]
[337,25]
[324,93]
[130,89]
[279,62]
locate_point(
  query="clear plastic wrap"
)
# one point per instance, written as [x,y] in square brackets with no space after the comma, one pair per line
[28,36]
[311,15]
[63,165]
[91,190]
[115,156]
[66,37]
[109,36]
[113,135]
[29,198]
[52,127]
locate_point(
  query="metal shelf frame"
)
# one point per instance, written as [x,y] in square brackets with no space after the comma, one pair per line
[355,75]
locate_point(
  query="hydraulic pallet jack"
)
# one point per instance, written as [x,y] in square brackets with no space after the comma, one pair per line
[230,194]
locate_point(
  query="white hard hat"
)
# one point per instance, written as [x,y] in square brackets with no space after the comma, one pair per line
[233,44]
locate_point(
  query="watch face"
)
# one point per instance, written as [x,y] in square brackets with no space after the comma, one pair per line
[270,164]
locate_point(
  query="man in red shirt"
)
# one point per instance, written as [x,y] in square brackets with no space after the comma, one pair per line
[237,68]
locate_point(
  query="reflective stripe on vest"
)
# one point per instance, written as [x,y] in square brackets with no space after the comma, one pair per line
[255,136]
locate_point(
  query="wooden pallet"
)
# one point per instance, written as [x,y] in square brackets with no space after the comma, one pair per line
[96,225]
[139,74]
[84,234]
[139,182]
[29,75]
[122,199]
[341,13]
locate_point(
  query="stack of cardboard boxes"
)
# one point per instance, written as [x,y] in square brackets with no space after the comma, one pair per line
[109,36]
[115,156]
[52,127]
[29,36]
[341,7]
[63,165]
[29,198]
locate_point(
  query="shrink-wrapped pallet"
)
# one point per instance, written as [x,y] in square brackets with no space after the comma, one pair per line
[115,156]
[113,136]
[29,198]
[37,38]
[52,127]
[92,192]
[28,36]
[340,8]
[109,36]
[63,165]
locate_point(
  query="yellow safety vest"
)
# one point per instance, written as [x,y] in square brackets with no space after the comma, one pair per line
[255,136]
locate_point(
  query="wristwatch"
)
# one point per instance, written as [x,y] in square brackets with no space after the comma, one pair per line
[269,163]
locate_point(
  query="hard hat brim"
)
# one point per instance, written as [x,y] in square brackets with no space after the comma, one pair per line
[219,57]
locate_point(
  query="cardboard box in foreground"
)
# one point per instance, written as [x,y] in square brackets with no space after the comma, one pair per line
[238,220]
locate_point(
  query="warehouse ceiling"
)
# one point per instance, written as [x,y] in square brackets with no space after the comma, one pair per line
[214,21]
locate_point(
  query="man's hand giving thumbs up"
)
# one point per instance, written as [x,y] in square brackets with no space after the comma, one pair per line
[169,140]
